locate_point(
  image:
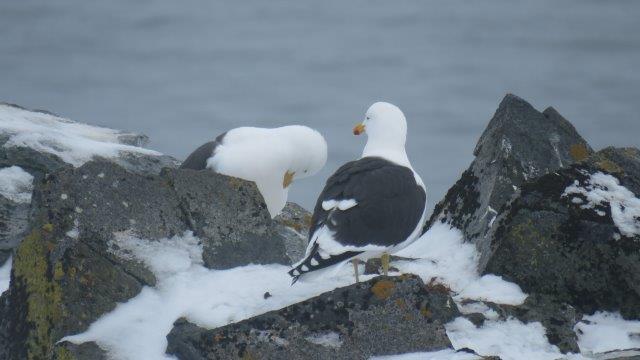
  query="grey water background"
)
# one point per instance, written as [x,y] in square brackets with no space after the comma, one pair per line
[183,72]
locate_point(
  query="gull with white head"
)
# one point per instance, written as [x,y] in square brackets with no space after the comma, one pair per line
[370,207]
[272,158]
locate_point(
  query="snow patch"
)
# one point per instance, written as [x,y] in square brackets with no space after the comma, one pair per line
[601,190]
[16,184]
[605,331]
[444,256]
[447,354]
[73,142]
[330,339]
[478,307]
[137,329]
[5,275]
[510,339]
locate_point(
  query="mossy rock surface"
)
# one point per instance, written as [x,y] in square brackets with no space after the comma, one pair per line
[519,144]
[553,245]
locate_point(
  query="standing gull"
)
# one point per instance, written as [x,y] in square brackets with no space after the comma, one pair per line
[272,158]
[369,207]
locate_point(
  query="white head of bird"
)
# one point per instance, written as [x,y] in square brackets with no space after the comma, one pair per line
[308,152]
[386,129]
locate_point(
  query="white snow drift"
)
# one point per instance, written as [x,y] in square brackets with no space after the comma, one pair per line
[213,298]
[73,142]
[605,190]
[445,257]
[16,184]
[5,275]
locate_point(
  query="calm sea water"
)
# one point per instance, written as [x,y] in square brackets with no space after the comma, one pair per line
[182,72]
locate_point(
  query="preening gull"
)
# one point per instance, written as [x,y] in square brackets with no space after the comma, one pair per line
[272,158]
[369,207]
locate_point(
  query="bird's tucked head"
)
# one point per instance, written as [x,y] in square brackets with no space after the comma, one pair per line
[385,126]
[308,153]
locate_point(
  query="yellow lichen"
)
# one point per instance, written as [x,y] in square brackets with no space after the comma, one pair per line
[235,182]
[383,289]
[609,166]
[58,272]
[44,295]
[578,152]
[294,225]
[247,356]
[47,227]
[72,272]
[425,311]
[63,353]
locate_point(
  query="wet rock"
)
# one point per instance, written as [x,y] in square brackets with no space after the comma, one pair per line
[380,317]
[518,145]
[554,240]
[67,271]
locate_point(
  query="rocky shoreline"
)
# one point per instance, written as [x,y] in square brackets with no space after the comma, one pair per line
[542,209]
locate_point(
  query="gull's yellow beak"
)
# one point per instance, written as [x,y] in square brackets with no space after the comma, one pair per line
[359,129]
[287,179]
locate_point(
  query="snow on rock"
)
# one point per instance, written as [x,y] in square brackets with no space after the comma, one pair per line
[510,339]
[329,339]
[444,256]
[5,275]
[73,142]
[447,354]
[138,328]
[16,184]
[605,331]
[601,190]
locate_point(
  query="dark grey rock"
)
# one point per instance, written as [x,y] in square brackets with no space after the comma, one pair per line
[380,317]
[5,332]
[628,354]
[14,221]
[89,351]
[68,271]
[230,217]
[549,245]
[145,164]
[292,224]
[14,218]
[518,145]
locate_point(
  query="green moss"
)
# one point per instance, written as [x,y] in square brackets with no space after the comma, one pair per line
[528,237]
[43,294]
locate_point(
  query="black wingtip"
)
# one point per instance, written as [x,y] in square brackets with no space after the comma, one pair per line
[295,277]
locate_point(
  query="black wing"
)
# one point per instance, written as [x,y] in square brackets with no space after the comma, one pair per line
[389,206]
[197,160]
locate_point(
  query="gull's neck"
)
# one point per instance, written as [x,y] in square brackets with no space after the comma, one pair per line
[394,152]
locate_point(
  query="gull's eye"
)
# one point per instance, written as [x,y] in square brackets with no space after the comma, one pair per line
[368,118]
[306,171]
